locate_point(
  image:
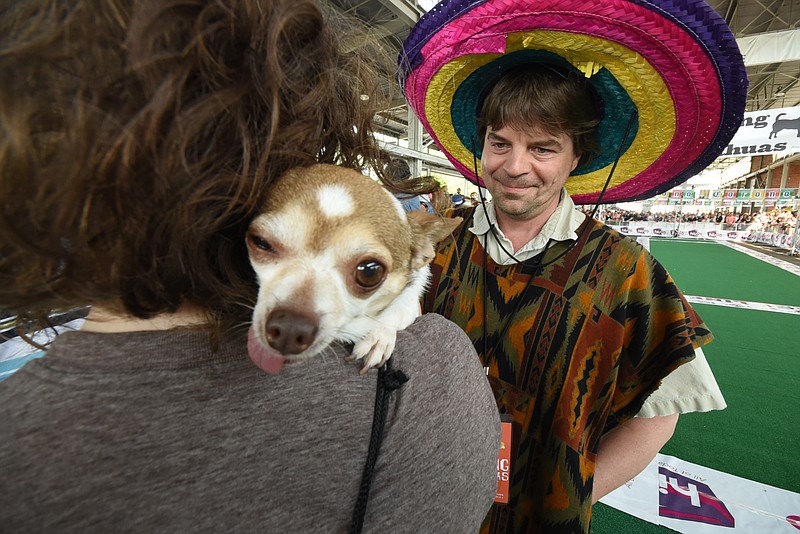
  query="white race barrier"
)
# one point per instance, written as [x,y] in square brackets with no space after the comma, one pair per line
[701,231]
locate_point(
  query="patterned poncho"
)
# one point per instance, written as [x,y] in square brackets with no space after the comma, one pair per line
[574,340]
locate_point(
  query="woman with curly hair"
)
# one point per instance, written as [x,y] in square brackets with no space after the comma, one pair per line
[138,139]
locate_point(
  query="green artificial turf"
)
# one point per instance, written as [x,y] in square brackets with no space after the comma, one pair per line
[713,270]
[608,520]
[755,357]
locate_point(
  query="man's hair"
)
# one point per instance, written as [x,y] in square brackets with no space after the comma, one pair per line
[138,139]
[540,95]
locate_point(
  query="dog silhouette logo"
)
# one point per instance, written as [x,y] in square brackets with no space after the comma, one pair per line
[784,124]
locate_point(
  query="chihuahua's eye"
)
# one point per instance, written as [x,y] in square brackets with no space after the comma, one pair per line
[261,243]
[369,274]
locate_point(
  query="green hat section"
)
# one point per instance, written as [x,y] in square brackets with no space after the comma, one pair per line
[616,106]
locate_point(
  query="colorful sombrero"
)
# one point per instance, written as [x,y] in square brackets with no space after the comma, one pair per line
[675,62]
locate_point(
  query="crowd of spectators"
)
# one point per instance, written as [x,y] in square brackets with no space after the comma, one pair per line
[782,222]
[615,215]
[777,221]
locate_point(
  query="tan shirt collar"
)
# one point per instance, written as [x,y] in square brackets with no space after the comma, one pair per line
[561,226]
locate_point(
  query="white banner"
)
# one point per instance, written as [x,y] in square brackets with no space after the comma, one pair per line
[702,231]
[773,47]
[770,238]
[771,131]
[694,499]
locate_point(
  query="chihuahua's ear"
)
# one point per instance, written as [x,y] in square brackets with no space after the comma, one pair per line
[428,229]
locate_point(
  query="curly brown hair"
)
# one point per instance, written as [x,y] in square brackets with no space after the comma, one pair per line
[138,138]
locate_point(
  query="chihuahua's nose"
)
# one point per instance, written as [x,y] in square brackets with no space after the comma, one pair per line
[290,332]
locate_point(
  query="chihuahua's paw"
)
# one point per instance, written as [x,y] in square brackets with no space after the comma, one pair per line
[375,348]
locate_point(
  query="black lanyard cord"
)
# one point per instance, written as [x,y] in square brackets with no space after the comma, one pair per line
[388,381]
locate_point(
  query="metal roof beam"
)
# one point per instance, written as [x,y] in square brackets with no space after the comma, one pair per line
[407,10]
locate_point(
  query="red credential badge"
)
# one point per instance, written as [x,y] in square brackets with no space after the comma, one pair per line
[504,460]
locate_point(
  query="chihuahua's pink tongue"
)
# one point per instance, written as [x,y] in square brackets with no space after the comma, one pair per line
[264,359]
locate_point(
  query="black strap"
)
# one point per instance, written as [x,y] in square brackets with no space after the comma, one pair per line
[388,381]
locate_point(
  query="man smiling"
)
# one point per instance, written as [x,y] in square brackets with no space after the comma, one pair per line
[550,305]
[588,344]
[525,173]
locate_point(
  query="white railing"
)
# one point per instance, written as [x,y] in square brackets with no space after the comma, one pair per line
[706,230]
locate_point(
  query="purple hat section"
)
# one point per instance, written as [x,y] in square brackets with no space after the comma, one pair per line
[685,41]
[711,31]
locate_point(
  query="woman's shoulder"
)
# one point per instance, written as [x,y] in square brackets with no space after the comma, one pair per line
[439,336]
[447,384]
[432,323]
[443,436]
[437,349]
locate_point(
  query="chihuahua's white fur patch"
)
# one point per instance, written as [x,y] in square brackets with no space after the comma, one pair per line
[338,259]
[335,201]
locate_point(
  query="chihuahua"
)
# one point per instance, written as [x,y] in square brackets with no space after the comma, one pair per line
[337,259]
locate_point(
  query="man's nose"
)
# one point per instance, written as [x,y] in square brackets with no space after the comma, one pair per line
[517,162]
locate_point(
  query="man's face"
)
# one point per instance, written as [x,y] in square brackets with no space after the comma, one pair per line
[525,170]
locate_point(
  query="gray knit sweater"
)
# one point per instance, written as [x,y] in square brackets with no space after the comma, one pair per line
[153,432]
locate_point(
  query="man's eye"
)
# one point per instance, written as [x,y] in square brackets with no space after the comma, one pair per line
[369,274]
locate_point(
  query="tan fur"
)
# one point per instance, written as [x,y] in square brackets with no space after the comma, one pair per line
[426,230]
[376,211]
